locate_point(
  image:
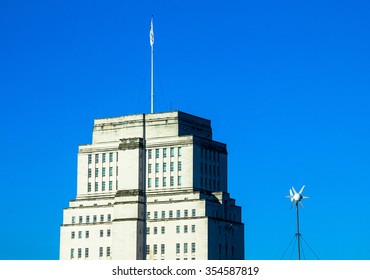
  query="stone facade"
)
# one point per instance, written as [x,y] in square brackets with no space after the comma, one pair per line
[152,186]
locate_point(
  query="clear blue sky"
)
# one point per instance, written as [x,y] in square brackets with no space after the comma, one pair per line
[285,83]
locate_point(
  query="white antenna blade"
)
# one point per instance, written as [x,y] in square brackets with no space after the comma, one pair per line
[292,204]
[294,190]
[300,192]
[301,204]
[305,197]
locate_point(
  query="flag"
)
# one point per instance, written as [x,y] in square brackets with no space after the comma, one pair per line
[151,34]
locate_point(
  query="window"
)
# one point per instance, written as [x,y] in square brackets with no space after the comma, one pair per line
[110,171]
[86,252]
[156,153]
[163,214]
[94,219]
[89,187]
[73,235]
[148,215]
[101,218]
[186,213]
[108,232]
[89,159]
[100,252]
[164,152]
[89,173]
[164,181]
[155,230]
[155,249]
[164,167]
[155,214]
[109,217]
[73,219]
[110,185]
[150,168]
[193,212]
[104,156]
[177,229]
[103,172]
[163,249]
[156,167]
[103,186]
[156,182]
[80,234]
[177,248]
[148,230]
[101,233]
[193,247]
[147,249]
[149,182]
[172,152]
[108,251]
[96,172]
[149,154]
[192,228]
[87,219]
[170,214]
[172,181]
[172,166]
[96,186]
[97,158]
[179,180]
[185,248]
[185,229]
[79,253]
[179,166]
[178,214]
[87,234]
[179,151]
[80,219]
[110,157]
[117,157]
[163,230]
[72,253]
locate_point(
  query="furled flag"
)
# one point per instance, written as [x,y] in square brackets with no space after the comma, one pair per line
[151,33]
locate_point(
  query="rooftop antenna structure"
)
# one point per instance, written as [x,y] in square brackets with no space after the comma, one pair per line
[151,38]
[296,198]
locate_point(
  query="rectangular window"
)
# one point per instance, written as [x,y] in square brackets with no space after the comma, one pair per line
[172,181]
[156,182]
[86,252]
[100,252]
[192,228]
[172,150]
[147,249]
[156,153]
[186,213]
[108,251]
[80,219]
[87,234]
[164,181]
[89,160]
[150,168]
[89,173]
[87,219]
[94,219]
[177,248]
[109,217]
[164,167]
[88,187]
[185,229]
[155,230]
[110,157]
[179,180]
[193,212]
[193,247]
[73,219]
[178,214]
[156,167]
[73,235]
[101,218]
[149,154]
[163,230]
[103,172]
[97,158]
[185,248]
[164,152]
[103,186]
[108,232]
[72,253]
[170,214]
[101,233]
[80,234]
[96,186]
[110,185]
[155,249]
[172,166]
[149,182]
[148,215]
[177,229]
[163,249]
[155,214]
[148,230]
[79,253]
[179,166]
[96,172]
[163,214]
[110,171]
[179,151]
[104,157]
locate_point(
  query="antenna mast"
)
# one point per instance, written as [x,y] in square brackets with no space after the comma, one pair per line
[151,36]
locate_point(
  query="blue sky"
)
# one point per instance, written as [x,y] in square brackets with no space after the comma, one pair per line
[286,85]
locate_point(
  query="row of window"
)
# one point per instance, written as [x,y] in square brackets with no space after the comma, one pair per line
[164,181]
[164,167]
[103,186]
[103,158]
[171,214]
[87,234]
[89,172]
[209,169]
[178,248]
[164,152]
[210,183]
[178,229]
[209,155]
[79,252]
[94,219]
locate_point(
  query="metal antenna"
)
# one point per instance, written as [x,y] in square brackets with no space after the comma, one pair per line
[295,198]
[151,37]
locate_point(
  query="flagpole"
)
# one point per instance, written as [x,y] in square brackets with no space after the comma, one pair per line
[151,35]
